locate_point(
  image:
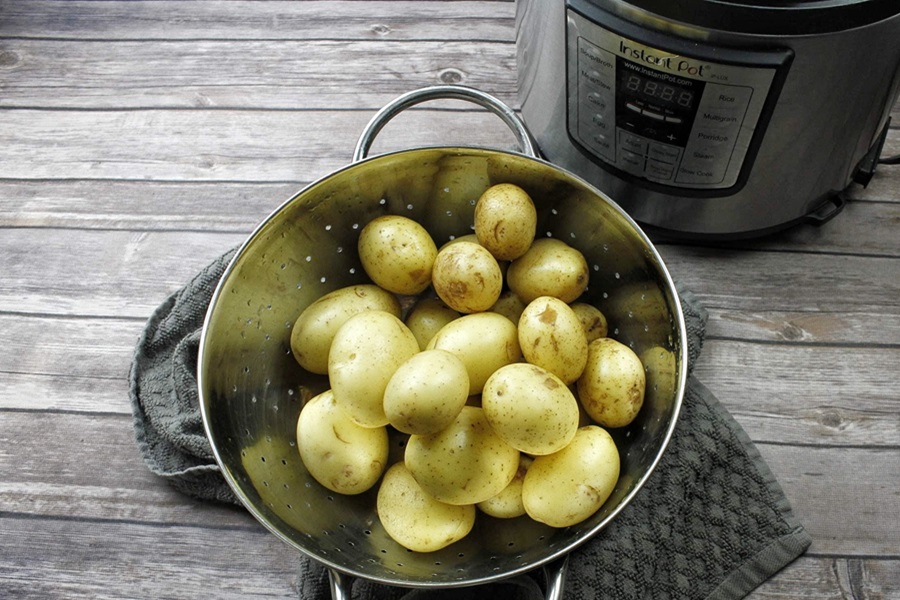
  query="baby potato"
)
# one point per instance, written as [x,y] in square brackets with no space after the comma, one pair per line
[530,408]
[341,455]
[508,503]
[483,341]
[509,305]
[397,253]
[426,318]
[414,519]
[464,463]
[611,389]
[366,351]
[549,268]
[314,329]
[426,393]
[551,336]
[567,487]
[505,221]
[467,277]
[592,319]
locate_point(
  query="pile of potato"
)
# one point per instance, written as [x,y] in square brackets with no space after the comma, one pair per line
[481,353]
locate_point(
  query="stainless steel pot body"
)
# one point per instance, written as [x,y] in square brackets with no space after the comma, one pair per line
[829,103]
[252,389]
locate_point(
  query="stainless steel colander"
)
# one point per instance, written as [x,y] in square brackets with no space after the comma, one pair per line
[251,388]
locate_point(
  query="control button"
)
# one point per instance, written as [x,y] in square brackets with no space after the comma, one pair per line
[717,95]
[632,143]
[633,107]
[602,121]
[597,78]
[600,102]
[593,58]
[659,170]
[728,119]
[699,175]
[631,162]
[601,144]
[663,152]
[653,115]
[675,120]
[718,140]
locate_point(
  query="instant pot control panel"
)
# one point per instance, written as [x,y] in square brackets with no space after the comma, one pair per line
[665,112]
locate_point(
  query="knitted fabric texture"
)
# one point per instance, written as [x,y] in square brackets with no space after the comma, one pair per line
[710,523]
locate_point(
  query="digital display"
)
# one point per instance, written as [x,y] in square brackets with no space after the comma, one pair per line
[657,91]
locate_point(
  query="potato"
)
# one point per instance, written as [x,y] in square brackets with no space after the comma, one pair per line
[397,253]
[426,392]
[509,305]
[549,268]
[416,520]
[551,336]
[426,318]
[505,221]
[366,351]
[464,463]
[483,341]
[567,487]
[508,503]
[592,320]
[314,329]
[467,277]
[611,389]
[530,408]
[341,455]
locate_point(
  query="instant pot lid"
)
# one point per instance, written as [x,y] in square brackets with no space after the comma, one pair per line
[770,17]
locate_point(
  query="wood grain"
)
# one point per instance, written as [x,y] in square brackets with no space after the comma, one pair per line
[139,141]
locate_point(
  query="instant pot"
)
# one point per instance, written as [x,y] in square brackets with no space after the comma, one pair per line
[713,119]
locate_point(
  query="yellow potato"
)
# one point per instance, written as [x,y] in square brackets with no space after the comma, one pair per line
[505,221]
[483,341]
[427,392]
[467,277]
[508,503]
[314,329]
[530,408]
[549,268]
[611,389]
[592,319]
[509,305]
[551,336]
[567,487]
[397,253]
[464,463]
[426,318]
[416,520]
[341,455]
[366,351]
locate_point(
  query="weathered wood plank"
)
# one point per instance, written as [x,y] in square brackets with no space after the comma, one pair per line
[219,145]
[833,579]
[251,74]
[82,558]
[845,497]
[272,20]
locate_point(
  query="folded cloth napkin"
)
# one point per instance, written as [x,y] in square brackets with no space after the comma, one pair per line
[710,523]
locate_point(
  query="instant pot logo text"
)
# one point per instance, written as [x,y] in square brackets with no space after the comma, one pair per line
[673,64]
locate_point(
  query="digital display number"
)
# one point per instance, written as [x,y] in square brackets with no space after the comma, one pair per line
[661,92]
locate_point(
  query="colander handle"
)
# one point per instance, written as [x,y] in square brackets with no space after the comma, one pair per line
[554,574]
[445,92]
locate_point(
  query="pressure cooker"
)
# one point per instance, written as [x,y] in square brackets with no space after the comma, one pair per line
[715,119]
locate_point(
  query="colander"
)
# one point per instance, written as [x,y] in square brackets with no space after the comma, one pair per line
[252,389]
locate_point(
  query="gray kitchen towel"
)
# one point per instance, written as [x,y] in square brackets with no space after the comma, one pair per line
[710,523]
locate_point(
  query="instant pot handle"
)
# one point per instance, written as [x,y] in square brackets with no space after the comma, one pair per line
[445,92]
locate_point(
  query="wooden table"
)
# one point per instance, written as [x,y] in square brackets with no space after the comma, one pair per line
[138,141]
